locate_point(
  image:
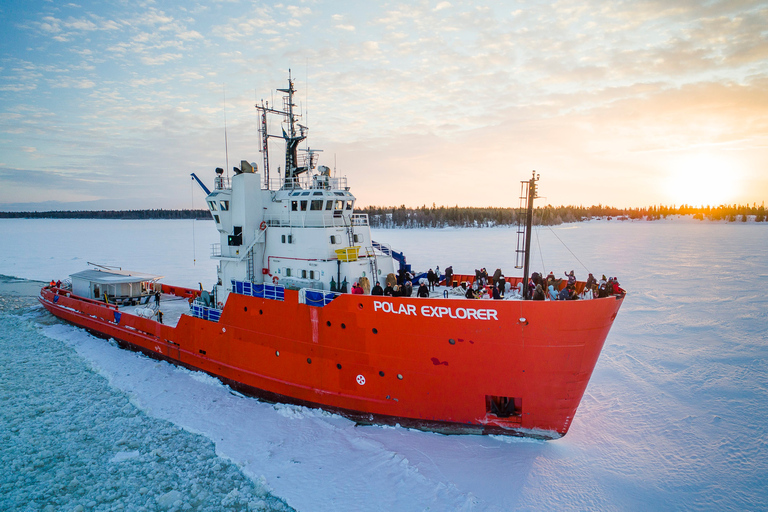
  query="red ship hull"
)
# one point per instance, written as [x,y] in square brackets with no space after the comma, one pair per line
[450,365]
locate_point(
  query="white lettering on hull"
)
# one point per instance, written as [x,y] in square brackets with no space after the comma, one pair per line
[435,311]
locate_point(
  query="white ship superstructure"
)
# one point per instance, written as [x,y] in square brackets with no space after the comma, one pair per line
[299,231]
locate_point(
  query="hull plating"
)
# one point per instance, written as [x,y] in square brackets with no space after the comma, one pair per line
[436,364]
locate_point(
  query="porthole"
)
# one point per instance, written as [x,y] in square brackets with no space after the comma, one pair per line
[309,360]
[343,326]
[399,376]
[277,353]
[261,312]
[452,341]
[245,308]
[338,366]
[381,374]
[375,330]
[328,323]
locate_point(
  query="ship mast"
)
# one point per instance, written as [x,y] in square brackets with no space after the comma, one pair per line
[292,138]
[527,195]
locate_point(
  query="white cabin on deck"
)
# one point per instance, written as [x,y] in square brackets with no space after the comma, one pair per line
[120,286]
[298,238]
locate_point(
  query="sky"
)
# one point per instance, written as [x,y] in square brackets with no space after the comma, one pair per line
[112,104]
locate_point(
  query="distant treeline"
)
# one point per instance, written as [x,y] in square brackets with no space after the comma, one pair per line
[111,214]
[549,215]
[455,216]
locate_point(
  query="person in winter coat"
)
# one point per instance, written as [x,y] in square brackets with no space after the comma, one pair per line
[408,289]
[377,289]
[449,276]
[552,293]
[389,291]
[538,293]
[357,289]
[571,278]
[432,279]
[423,291]
[591,281]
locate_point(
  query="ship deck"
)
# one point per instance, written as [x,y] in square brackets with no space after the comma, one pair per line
[171,306]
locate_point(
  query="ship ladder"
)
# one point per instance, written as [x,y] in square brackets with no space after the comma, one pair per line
[250,265]
[521,225]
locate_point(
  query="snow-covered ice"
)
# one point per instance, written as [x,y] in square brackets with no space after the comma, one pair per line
[672,418]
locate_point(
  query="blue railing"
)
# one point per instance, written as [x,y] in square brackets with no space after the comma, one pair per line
[317,298]
[205,312]
[263,290]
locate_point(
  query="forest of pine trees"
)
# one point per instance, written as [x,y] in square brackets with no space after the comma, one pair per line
[549,215]
[453,216]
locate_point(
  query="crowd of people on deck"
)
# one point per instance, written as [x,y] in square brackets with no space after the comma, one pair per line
[485,286]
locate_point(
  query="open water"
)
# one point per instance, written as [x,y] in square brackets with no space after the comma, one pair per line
[673,418]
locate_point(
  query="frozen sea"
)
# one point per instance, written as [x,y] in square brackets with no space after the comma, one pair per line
[674,417]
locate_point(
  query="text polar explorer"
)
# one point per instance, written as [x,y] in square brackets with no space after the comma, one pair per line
[435,311]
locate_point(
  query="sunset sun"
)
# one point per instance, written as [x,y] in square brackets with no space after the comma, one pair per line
[702,180]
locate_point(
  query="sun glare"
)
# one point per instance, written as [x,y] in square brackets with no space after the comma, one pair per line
[702,180]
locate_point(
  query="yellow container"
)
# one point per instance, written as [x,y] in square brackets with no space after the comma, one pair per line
[347,253]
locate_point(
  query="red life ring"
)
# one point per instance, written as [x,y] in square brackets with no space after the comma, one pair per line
[274,279]
[262,226]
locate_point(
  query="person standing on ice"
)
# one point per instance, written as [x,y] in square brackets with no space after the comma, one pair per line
[431,279]
[423,291]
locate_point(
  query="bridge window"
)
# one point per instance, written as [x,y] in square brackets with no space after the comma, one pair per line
[224,205]
[349,205]
[304,205]
[212,205]
[329,205]
[303,274]
[358,238]
[317,204]
[311,274]
[216,218]
[333,239]
[317,193]
[294,206]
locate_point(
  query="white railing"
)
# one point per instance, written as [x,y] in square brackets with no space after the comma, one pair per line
[382,248]
[221,182]
[314,182]
[326,219]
